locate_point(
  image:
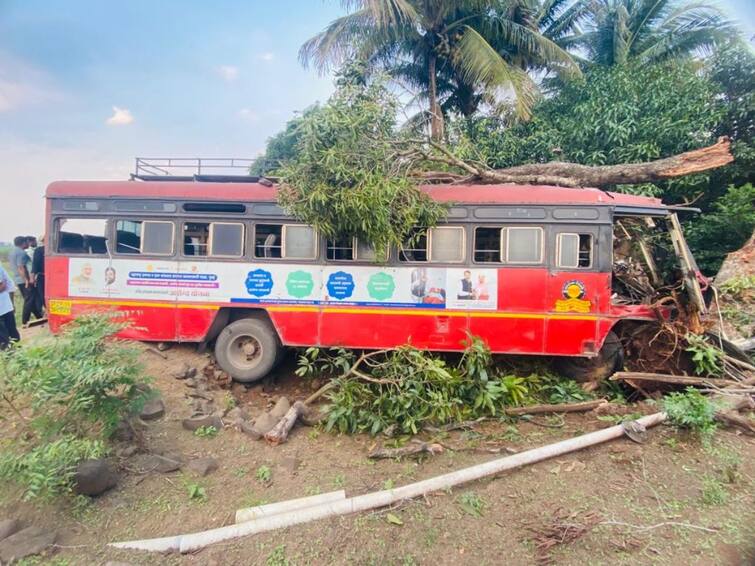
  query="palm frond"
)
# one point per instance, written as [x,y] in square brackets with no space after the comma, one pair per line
[385,13]
[531,42]
[480,63]
[337,42]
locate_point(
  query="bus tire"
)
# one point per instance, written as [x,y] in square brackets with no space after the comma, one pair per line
[247,349]
[609,360]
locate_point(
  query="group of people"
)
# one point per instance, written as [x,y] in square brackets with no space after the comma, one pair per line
[27,276]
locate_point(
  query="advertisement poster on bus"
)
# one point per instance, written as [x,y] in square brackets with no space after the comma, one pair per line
[425,287]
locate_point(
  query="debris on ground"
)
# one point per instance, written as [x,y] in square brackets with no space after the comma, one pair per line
[561,527]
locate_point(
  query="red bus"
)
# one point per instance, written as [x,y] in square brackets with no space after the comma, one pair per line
[529,269]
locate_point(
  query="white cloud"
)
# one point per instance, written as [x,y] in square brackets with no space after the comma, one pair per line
[249,115]
[267,56]
[120,117]
[228,72]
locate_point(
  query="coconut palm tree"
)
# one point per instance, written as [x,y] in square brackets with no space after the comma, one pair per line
[428,42]
[649,31]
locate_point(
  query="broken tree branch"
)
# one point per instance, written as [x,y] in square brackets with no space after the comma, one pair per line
[577,175]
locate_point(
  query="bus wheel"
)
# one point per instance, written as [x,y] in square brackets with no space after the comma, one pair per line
[247,349]
[609,360]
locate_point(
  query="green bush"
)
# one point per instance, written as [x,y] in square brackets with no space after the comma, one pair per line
[68,393]
[691,410]
[408,388]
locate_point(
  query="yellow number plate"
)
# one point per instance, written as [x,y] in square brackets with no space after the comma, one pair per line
[62,308]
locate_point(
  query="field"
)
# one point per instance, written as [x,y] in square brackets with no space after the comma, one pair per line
[673,500]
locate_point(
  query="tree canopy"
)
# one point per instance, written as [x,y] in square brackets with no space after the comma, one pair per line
[344,178]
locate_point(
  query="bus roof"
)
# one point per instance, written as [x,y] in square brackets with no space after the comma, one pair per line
[251,192]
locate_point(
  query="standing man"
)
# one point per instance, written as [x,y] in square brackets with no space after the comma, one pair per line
[38,274]
[8,330]
[19,264]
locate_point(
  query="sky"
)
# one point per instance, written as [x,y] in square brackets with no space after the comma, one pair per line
[87,86]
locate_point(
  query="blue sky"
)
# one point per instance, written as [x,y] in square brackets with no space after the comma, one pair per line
[85,86]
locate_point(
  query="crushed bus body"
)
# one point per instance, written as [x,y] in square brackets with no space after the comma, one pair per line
[533,270]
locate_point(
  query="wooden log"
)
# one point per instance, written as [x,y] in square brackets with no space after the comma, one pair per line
[734,419]
[279,432]
[560,408]
[630,376]
[412,449]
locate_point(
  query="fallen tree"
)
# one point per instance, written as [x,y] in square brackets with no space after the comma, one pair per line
[572,174]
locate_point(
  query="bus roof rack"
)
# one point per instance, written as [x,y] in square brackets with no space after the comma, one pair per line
[198,169]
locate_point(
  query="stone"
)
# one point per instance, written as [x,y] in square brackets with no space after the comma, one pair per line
[8,527]
[236,416]
[26,542]
[147,463]
[94,477]
[193,423]
[185,372]
[153,410]
[281,408]
[202,466]
[265,423]
[127,451]
[124,432]
[248,429]
[116,563]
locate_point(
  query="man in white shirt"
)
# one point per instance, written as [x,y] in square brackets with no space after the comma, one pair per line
[8,330]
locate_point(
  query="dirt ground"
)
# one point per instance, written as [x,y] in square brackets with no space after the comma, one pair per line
[669,501]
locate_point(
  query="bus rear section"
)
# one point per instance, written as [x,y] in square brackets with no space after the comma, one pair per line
[531,270]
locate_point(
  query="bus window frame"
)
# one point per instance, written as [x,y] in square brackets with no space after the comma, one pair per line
[210,239]
[557,257]
[284,226]
[56,221]
[430,239]
[540,261]
[428,248]
[141,253]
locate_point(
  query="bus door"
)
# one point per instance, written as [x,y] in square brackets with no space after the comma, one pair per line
[578,288]
[516,256]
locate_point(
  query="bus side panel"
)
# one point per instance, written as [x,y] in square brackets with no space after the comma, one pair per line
[572,327]
[517,326]
[193,322]
[147,320]
[296,327]
[428,329]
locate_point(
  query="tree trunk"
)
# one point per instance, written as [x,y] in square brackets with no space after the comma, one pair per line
[576,175]
[436,117]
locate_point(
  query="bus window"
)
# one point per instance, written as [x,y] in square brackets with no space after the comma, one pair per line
[340,250]
[196,236]
[226,239]
[415,249]
[574,250]
[299,242]
[268,240]
[488,243]
[151,237]
[366,252]
[82,236]
[447,244]
[524,245]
